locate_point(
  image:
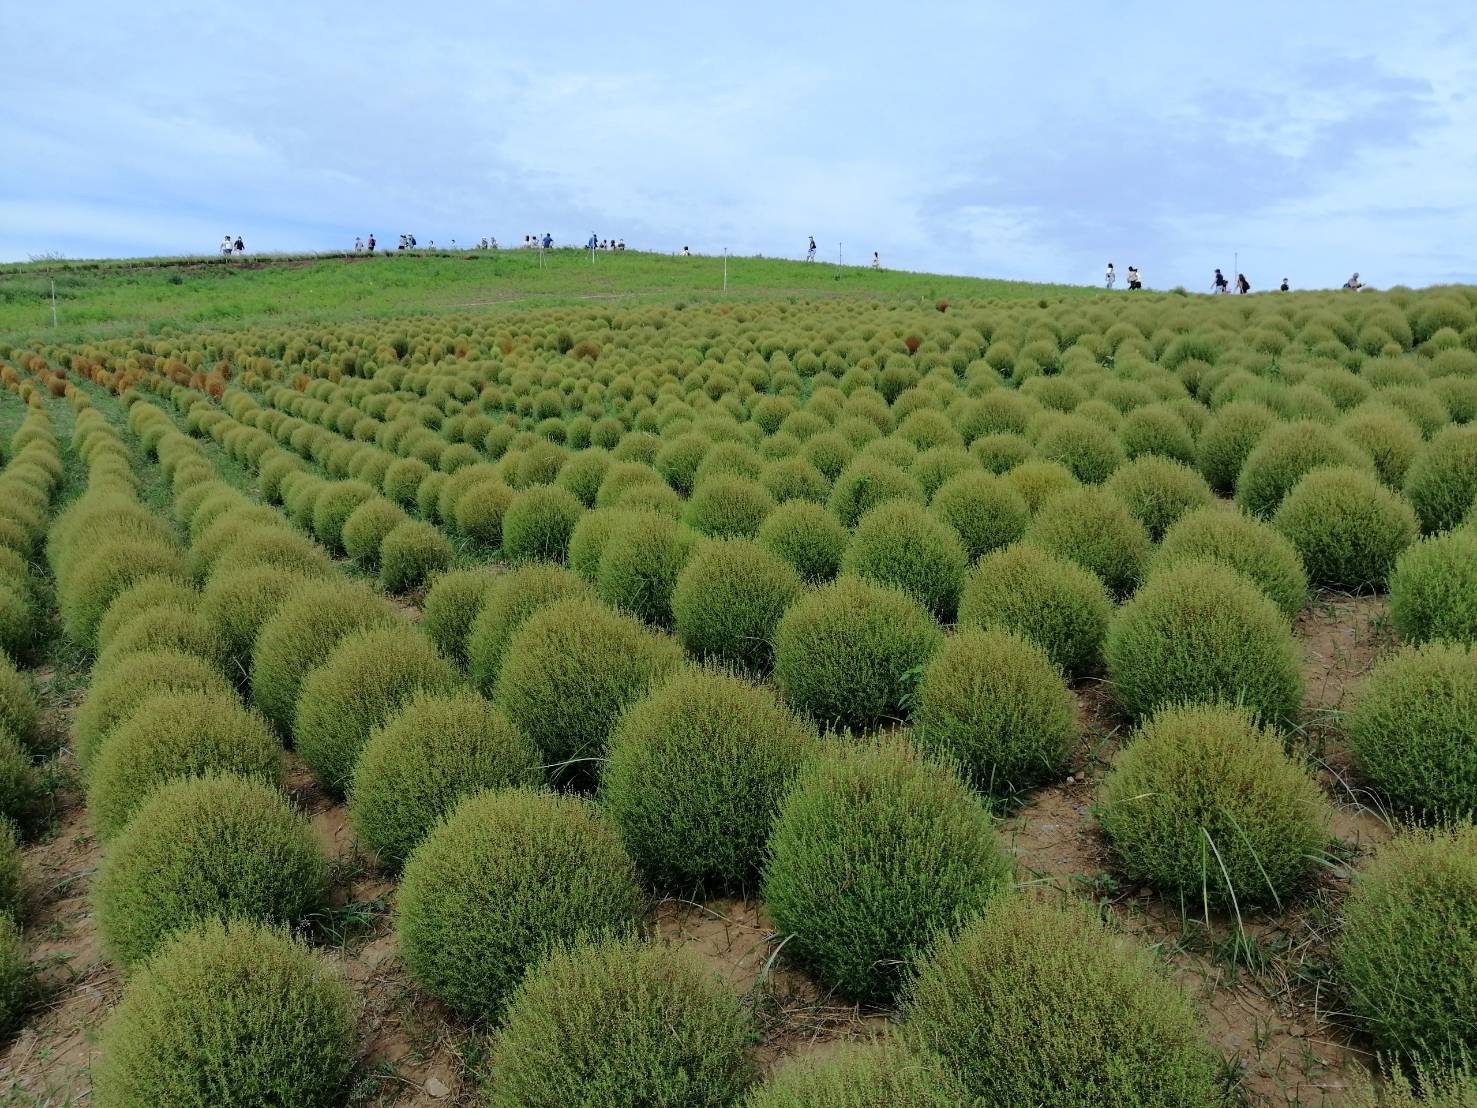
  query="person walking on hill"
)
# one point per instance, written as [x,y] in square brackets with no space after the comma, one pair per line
[1220,284]
[370,244]
[226,246]
[810,251]
[548,240]
[240,246]
[1243,286]
[358,245]
[876,261]
[1354,283]
[1110,278]
[1284,286]
[686,253]
[1135,279]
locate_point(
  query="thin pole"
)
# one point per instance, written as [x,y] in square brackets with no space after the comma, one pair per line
[838,253]
[725,269]
[53,301]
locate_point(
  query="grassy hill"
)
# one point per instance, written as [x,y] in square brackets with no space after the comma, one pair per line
[96,298]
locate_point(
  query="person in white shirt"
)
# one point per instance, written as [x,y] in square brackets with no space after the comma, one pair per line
[876,261]
[1110,278]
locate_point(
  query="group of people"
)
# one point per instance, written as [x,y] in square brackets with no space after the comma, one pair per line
[1219,284]
[360,246]
[232,244]
[535,242]
[597,243]
[1135,278]
[810,254]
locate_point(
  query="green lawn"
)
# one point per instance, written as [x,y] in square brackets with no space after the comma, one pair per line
[103,298]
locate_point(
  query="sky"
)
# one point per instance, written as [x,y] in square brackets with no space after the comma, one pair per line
[1030,141]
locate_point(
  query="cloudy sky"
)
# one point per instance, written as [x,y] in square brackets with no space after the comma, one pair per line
[1034,141]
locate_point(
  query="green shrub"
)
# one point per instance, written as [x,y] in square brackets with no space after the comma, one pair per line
[795,479]
[301,635]
[1002,452]
[1346,526]
[200,848]
[1087,448]
[479,510]
[21,794]
[1412,731]
[808,537]
[12,874]
[640,562]
[419,765]
[1421,1084]
[899,544]
[1442,481]
[1283,455]
[1039,481]
[19,712]
[1205,805]
[848,653]
[368,525]
[116,697]
[1202,633]
[229,1014]
[539,522]
[695,774]
[569,670]
[160,629]
[370,675]
[934,467]
[452,604]
[984,510]
[506,606]
[996,705]
[875,853]
[1157,431]
[277,547]
[1159,492]
[1094,529]
[728,506]
[1228,438]
[867,482]
[185,734]
[1433,589]
[333,507]
[141,597]
[17,977]
[587,541]
[1034,1004]
[1388,436]
[1407,953]
[621,1022]
[411,554]
[728,600]
[84,593]
[502,880]
[17,620]
[1251,547]
[880,1073]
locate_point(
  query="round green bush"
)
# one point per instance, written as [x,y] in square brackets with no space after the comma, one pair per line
[621,1022]
[12,872]
[105,571]
[875,853]
[1433,589]
[365,530]
[141,597]
[1387,435]
[880,1073]
[229,1014]
[165,628]
[1039,481]
[514,597]
[867,482]
[587,541]
[1159,491]
[1036,1004]
[17,620]
[899,544]
[995,704]
[1094,529]
[1200,632]
[1205,805]
[21,794]
[1283,455]
[1442,481]
[200,848]
[728,600]
[1001,452]
[1347,527]
[452,604]
[984,511]
[19,712]
[728,506]
[934,467]
[808,537]
[300,636]
[640,562]
[539,522]
[333,507]
[1157,431]
[17,977]
[277,547]
[1086,447]
[369,676]
[1227,439]
[847,654]
[1420,1083]
[479,510]
[1413,730]
[695,774]
[114,699]
[568,672]
[1407,953]
[795,479]
[1250,546]
[420,764]
[503,879]
[184,734]
[412,553]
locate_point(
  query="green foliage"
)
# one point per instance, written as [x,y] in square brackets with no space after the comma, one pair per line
[506,606]
[1249,546]
[899,544]
[104,572]
[695,774]
[1034,1004]
[569,670]
[1346,526]
[1387,435]
[994,703]
[1205,805]
[412,553]
[1087,448]
[369,676]
[479,510]
[727,505]
[879,1073]
[1442,481]
[184,734]
[1227,439]
[423,760]
[117,697]
[639,564]
[501,881]
[867,482]
[728,600]
[17,977]
[1407,953]
[451,606]
[1202,633]
[19,712]
[367,527]
[1283,455]
[1094,529]
[539,522]
[1039,481]
[1413,730]
[12,874]
[875,853]
[165,628]
[21,794]
[229,1014]
[1433,589]
[1159,492]
[808,537]
[200,848]
[983,510]
[848,653]
[332,509]
[621,1022]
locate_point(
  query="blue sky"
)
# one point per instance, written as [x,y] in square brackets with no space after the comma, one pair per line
[1032,141]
